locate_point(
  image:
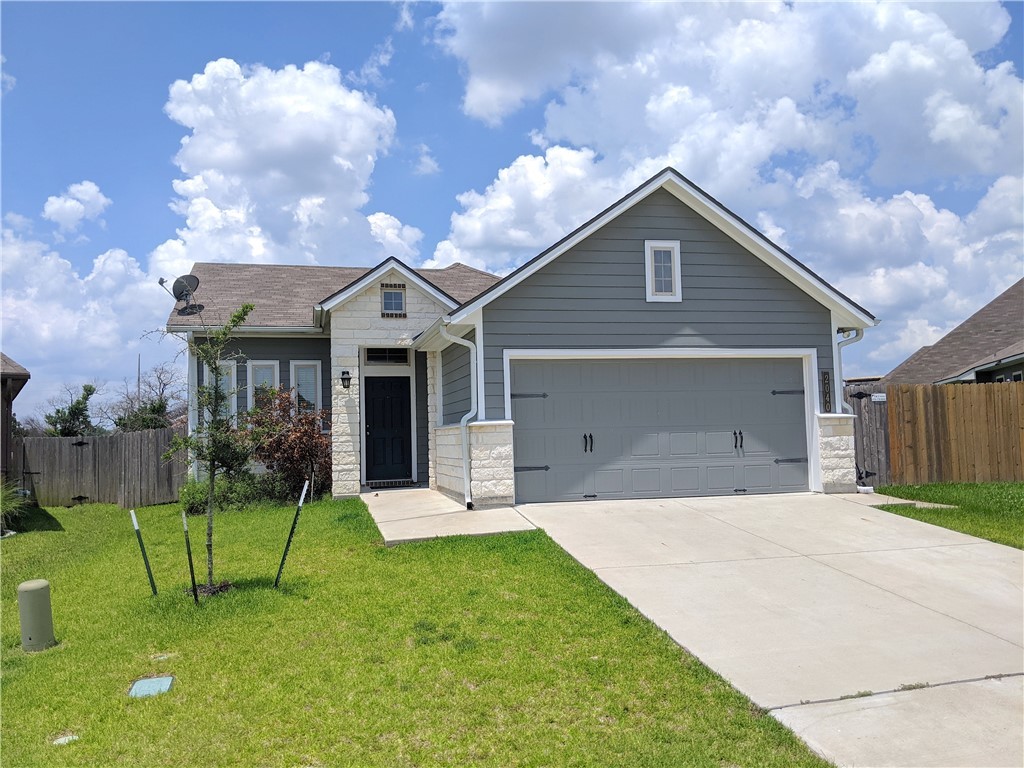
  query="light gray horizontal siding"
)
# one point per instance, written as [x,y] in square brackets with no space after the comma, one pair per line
[455,381]
[593,296]
[283,351]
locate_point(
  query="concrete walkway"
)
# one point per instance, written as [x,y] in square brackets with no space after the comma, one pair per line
[878,639]
[416,514]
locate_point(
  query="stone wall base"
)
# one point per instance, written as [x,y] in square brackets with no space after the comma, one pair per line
[836,448]
[492,478]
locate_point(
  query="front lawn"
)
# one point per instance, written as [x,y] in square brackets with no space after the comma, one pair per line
[486,651]
[993,511]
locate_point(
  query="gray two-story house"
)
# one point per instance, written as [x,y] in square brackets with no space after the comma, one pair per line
[664,348]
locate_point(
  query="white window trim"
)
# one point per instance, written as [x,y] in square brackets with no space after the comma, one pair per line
[251,381]
[319,382]
[677,284]
[231,385]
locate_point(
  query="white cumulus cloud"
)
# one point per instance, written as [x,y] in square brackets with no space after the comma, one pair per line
[79,202]
[276,164]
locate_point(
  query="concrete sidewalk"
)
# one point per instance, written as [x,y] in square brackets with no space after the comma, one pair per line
[869,634]
[417,514]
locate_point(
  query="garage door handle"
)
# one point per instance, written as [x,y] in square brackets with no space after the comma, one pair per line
[584,442]
[591,436]
[741,439]
[735,440]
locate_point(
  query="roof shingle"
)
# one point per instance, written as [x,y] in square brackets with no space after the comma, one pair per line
[284,295]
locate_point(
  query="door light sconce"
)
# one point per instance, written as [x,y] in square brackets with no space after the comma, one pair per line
[346,379]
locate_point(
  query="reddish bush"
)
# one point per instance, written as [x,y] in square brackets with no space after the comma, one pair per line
[291,442]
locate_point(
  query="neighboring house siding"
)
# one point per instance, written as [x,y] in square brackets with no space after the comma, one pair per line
[594,296]
[422,428]
[1006,371]
[284,351]
[455,381]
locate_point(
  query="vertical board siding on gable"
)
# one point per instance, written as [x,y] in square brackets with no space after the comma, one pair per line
[284,351]
[455,381]
[422,428]
[593,296]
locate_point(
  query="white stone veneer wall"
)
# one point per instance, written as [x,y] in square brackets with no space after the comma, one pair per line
[836,448]
[355,324]
[492,477]
[446,462]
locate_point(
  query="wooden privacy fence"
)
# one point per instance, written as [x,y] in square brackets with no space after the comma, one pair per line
[126,469]
[969,433]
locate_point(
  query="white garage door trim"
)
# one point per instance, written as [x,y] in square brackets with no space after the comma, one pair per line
[808,358]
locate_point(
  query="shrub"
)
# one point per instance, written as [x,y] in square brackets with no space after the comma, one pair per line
[291,444]
[13,504]
[235,491]
[192,497]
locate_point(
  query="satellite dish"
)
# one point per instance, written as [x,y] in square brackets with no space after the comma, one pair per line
[184,287]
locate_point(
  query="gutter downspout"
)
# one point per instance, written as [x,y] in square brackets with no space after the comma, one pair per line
[471,413]
[858,334]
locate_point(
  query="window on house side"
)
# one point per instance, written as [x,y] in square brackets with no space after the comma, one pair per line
[229,407]
[306,385]
[263,376]
[661,262]
[1018,375]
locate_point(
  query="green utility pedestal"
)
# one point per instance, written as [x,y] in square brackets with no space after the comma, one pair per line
[36,615]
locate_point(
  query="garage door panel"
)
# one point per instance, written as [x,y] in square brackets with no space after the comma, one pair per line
[722,479]
[682,443]
[609,481]
[757,477]
[719,443]
[684,480]
[660,427]
[645,445]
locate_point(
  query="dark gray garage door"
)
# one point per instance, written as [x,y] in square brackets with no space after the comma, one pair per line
[609,429]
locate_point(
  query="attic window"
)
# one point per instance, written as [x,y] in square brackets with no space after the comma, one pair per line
[661,267]
[392,299]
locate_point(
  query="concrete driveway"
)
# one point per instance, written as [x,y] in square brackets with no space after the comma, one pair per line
[878,639]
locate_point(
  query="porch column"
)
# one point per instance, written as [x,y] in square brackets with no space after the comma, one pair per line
[836,448]
[346,435]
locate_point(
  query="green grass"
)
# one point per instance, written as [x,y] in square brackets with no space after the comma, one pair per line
[495,651]
[993,511]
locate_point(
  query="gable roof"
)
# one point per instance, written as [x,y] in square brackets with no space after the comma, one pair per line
[992,332]
[849,314]
[391,263]
[285,295]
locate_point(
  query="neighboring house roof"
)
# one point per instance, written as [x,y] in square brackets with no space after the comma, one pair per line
[989,335]
[285,295]
[13,376]
[1013,353]
[12,370]
[848,314]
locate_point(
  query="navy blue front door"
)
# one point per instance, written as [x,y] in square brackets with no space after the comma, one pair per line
[388,429]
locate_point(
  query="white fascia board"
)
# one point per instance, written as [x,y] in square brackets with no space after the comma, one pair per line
[717,216]
[371,277]
[430,340]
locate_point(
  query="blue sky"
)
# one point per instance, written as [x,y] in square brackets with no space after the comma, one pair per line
[880,144]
